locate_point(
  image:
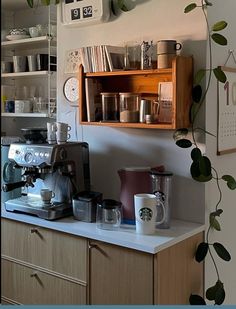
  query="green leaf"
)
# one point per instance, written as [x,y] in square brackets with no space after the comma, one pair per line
[196,300]
[231,182]
[211,292]
[180,133]
[122,5]
[196,173]
[217,213]
[221,251]
[30,3]
[214,223]
[194,110]
[190,7]
[219,39]
[220,25]
[208,3]
[220,75]
[201,252]
[45,2]
[194,170]
[184,143]
[205,166]
[220,293]
[196,154]
[197,93]
[199,76]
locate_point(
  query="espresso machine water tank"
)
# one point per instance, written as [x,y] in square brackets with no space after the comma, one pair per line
[9,173]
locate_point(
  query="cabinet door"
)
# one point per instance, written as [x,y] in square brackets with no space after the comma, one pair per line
[120,276]
[55,251]
[25,285]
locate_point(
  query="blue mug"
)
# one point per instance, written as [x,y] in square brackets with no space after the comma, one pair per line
[10,106]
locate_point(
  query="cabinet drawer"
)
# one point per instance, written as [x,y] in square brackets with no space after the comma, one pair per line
[56,251]
[25,285]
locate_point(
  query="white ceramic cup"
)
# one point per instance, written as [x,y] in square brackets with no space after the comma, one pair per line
[146,212]
[51,132]
[62,136]
[23,106]
[46,195]
[62,126]
[34,32]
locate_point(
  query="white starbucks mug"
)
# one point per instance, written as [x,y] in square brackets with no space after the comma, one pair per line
[146,212]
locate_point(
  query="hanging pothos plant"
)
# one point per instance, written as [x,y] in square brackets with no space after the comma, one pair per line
[115,4]
[201,168]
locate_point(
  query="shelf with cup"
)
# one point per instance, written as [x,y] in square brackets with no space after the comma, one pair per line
[146,83]
[40,42]
[27,74]
[30,115]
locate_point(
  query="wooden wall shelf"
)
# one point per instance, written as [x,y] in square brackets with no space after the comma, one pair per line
[146,83]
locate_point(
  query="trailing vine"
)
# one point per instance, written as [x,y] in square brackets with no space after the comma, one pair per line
[201,168]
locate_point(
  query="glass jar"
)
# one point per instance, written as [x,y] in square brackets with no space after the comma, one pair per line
[129,106]
[110,106]
[162,188]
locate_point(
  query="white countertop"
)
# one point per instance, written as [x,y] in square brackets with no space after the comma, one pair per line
[125,236]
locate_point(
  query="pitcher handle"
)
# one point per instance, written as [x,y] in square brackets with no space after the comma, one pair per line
[163,209]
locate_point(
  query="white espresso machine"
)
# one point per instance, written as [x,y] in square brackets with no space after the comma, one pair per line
[64,169]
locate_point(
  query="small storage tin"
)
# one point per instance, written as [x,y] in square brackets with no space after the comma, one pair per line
[85,205]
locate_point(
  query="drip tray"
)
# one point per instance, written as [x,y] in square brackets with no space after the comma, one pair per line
[34,206]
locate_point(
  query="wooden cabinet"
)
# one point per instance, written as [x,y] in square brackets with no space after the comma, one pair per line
[45,261]
[146,83]
[43,266]
[119,275]
[124,276]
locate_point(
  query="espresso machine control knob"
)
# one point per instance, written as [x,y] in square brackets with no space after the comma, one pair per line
[28,157]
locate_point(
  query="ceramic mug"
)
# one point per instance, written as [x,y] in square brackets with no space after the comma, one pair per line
[46,195]
[146,212]
[168,47]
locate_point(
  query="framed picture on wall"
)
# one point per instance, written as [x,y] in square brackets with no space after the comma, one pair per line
[226,97]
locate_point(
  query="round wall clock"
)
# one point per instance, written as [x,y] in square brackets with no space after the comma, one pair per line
[71,89]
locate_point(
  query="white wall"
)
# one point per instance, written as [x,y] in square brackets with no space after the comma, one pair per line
[225,164]
[111,149]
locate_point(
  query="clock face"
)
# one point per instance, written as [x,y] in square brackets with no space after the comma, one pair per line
[71,89]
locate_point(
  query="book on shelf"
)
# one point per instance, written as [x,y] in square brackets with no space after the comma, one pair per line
[102,58]
[93,88]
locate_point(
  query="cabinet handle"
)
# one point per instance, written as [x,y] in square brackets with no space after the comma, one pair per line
[33,230]
[91,246]
[36,231]
[34,274]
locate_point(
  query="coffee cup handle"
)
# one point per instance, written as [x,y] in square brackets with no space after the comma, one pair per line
[69,128]
[178,46]
[53,194]
[164,211]
[68,136]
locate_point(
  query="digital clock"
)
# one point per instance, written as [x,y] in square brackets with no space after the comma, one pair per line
[85,12]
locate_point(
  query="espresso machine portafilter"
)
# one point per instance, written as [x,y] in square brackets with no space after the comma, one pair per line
[64,169]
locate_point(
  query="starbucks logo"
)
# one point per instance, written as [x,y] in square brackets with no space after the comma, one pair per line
[145,214]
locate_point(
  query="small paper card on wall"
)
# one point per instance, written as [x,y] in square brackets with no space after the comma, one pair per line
[226,96]
[165,91]
[73,60]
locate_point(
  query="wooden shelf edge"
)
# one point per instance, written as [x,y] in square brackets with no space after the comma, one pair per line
[166,126]
[131,72]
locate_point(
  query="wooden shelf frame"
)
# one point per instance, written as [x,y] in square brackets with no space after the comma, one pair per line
[146,83]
